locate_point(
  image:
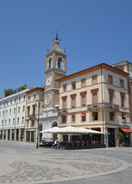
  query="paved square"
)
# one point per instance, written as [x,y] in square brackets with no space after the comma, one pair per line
[22,163]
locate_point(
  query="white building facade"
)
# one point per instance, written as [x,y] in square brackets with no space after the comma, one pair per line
[12,116]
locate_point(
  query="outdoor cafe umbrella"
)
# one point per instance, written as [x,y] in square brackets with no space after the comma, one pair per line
[71,130]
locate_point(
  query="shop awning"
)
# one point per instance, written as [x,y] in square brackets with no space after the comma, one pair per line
[127,130]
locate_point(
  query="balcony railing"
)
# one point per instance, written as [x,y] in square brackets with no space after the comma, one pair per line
[98,106]
[31,116]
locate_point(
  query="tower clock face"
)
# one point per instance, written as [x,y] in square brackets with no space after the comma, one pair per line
[48,80]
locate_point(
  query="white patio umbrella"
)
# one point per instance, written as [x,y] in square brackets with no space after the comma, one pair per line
[71,130]
[78,130]
[51,130]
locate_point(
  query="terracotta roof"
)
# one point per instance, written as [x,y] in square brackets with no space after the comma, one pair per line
[35,89]
[94,68]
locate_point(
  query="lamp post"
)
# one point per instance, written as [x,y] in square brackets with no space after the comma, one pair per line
[103,114]
[37,126]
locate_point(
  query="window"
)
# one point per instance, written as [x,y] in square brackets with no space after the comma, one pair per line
[34,109]
[111,96]
[122,95]
[83,98]
[95,116]
[73,118]
[121,83]
[50,59]
[112,115]
[13,120]
[64,118]
[110,79]
[73,85]
[123,115]
[23,108]
[83,116]
[22,119]
[73,101]
[64,87]
[64,101]
[94,79]
[28,110]
[83,83]
[32,123]
[59,63]
[19,109]
[94,96]
[18,120]
[14,110]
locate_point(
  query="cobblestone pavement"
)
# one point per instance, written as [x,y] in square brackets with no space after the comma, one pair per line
[23,164]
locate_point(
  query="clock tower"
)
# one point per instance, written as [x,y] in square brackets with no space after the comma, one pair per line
[55,64]
[55,68]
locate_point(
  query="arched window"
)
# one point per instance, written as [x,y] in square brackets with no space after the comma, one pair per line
[50,64]
[59,64]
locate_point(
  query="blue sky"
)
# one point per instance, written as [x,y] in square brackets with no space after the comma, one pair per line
[91,31]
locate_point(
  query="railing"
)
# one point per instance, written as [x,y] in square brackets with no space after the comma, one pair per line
[31,117]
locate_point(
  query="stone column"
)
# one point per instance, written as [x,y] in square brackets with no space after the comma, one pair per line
[19,139]
[25,135]
[131,139]
[10,134]
[6,135]
[14,134]
[30,136]
[2,134]
[106,141]
[102,136]
[117,137]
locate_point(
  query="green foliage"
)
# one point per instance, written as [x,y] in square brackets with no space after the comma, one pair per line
[8,92]
[23,87]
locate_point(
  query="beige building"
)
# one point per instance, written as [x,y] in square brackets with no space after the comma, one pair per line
[34,107]
[96,98]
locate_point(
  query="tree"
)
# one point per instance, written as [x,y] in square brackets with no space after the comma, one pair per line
[8,92]
[23,87]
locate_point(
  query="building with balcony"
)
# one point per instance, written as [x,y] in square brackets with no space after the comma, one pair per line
[96,98]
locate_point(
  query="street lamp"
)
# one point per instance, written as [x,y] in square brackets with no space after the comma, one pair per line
[37,126]
[105,136]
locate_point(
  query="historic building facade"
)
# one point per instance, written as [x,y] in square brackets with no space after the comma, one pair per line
[98,98]
[34,106]
[12,116]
